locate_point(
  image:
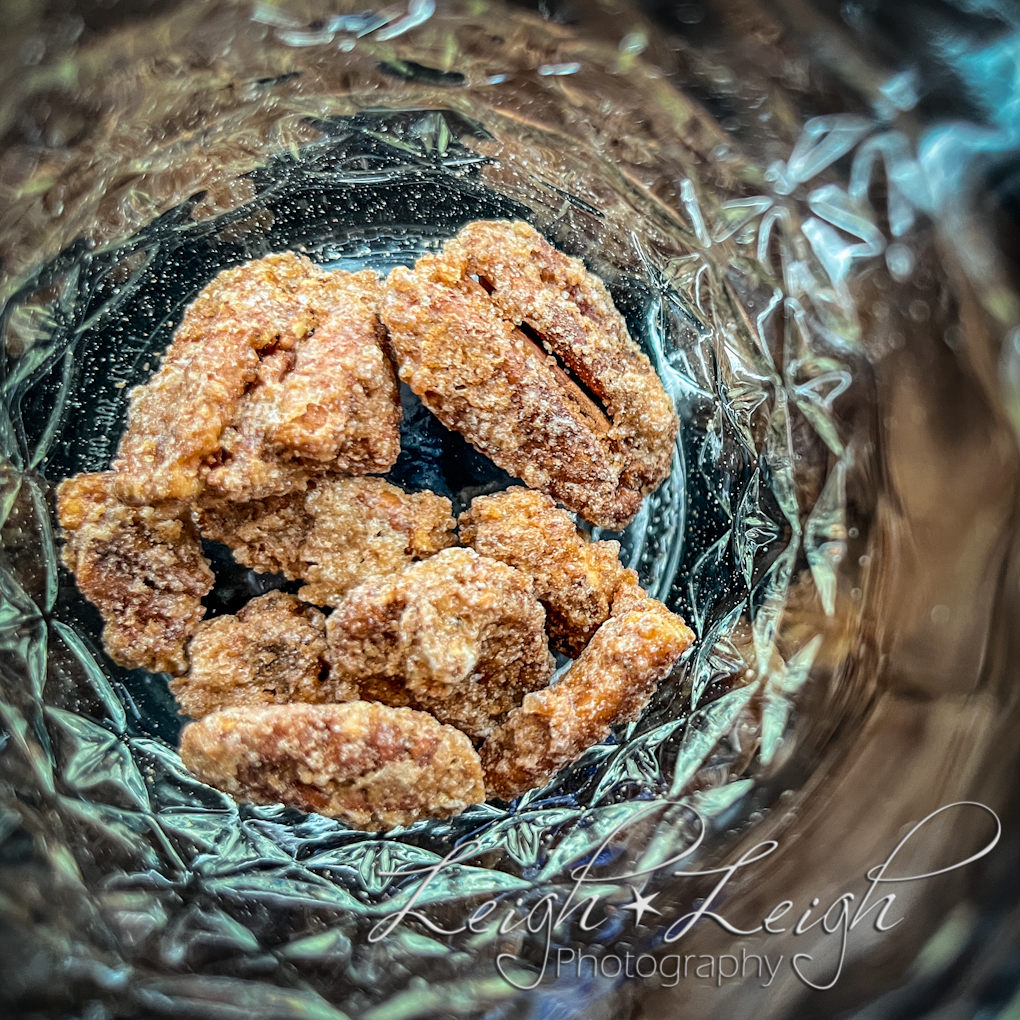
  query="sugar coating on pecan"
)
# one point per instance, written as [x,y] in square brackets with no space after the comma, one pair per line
[575,579]
[141,566]
[477,330]
[272,652]
[459,635]
[274,404]
[610,683]
[276,373]
[372,766]
[338,534]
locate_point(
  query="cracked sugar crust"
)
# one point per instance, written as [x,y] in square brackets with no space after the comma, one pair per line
[276,373]
[372,766]
[453,325]
[573,313]
[272,652]
[340,533]
[459,635]
[575,579]
[611,683]
[141,566]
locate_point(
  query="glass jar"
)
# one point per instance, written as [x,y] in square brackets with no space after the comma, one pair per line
[806,223]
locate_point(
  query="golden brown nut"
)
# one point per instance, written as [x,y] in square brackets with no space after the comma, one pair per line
[141,566]
[575,579]
[275,374]
[372,766]
[340,533]
[610,683]
[474,329]
[630,597]
[459,635]
[272,652]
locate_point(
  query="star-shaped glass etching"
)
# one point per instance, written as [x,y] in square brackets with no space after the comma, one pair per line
[641,905]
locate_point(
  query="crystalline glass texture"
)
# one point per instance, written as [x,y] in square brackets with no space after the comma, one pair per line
[359,140]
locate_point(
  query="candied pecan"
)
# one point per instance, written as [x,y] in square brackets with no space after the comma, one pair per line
[338,534]
[275,374]
[575,579]
[475,329]
[372,766]
[141,566]
[459,635]
[610,683]
[272,652]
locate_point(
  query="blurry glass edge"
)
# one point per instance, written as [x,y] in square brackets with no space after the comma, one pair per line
[1007,369]
[954,70]
[957,68]
[951,72]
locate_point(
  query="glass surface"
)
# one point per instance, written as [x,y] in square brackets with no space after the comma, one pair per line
[806,262]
